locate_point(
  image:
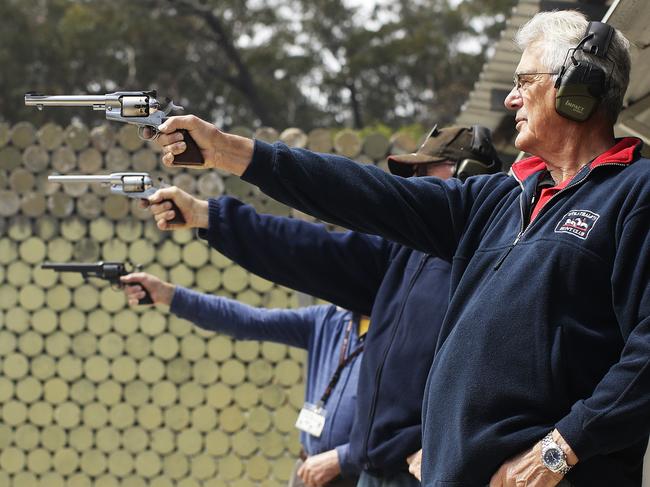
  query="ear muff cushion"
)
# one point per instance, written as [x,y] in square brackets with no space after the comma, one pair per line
[581,84]
[579,90]
[482,146]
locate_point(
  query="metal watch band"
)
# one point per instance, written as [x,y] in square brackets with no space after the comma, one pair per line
[549,443]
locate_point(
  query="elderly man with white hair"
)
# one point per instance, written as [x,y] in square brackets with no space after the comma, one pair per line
[542,372]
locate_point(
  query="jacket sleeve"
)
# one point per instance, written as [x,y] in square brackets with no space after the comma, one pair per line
[345,268]
[617,415]
[243,322]
[427,214]
[348,469]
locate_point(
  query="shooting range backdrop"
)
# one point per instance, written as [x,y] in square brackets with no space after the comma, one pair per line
[95,393]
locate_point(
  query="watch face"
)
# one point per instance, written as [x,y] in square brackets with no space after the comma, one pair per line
[552,457]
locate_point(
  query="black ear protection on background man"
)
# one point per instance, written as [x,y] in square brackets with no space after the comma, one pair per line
[481,146]
[581,84]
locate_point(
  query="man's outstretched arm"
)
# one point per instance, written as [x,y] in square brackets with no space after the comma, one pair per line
[293,327]
[345,268]
[424,213]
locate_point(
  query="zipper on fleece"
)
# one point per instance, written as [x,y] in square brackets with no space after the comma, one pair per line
[373,404]
[523,230]
[507,252]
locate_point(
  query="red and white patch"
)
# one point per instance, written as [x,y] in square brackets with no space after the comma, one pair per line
[577,223]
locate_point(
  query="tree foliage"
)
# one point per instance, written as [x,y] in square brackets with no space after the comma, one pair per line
[252,62]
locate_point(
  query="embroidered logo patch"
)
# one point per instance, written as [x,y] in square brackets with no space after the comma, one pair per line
[578,223]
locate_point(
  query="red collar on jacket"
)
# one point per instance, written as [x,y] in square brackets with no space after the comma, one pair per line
[623,152]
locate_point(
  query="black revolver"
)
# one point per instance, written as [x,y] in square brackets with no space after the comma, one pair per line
[139,108]
[109,271]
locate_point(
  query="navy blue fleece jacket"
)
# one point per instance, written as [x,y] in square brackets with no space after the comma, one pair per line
[548,324]
[404,291]
[318,329]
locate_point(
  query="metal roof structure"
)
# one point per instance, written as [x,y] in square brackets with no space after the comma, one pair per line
[631,17]
[485,103]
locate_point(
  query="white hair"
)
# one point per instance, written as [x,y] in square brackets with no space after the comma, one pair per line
[554,33]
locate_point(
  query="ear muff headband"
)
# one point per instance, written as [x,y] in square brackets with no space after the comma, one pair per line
[582,84]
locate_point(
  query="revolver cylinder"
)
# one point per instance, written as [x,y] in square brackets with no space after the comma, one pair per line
[135,106]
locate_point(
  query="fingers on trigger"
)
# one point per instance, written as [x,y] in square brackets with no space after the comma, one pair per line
[162,224]
[178,147]
[168,159]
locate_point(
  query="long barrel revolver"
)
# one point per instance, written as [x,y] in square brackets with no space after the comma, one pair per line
[109,271]
[132,184]
[140,108]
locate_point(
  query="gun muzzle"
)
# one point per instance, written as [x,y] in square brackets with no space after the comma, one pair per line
[64,100]
[77,178]
[98,102]
[133,184]
[84,268]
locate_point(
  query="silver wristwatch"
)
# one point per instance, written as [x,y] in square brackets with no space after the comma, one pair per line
[553,457]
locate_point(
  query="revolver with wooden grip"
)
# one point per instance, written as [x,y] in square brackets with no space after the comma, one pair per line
[140,108]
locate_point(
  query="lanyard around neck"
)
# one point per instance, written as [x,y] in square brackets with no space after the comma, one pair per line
[343,362]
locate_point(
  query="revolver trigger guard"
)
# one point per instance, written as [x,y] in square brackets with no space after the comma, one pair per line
[155,131]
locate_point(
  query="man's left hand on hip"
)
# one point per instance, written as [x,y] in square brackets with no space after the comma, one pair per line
[527,469]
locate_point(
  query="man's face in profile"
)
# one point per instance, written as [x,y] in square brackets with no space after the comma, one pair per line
[442,170]
[534,101]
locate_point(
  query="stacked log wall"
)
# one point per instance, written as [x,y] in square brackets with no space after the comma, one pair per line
[94,392]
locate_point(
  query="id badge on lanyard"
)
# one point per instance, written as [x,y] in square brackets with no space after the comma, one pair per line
[311,419]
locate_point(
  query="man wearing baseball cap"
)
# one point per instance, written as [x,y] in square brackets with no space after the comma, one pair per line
[404,291]
[465,151]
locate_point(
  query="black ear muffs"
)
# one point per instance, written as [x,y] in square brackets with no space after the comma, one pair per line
[581,84]
[481,144]
[580,87]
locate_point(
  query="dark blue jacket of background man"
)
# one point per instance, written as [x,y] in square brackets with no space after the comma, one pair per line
[549,321]
[409,291]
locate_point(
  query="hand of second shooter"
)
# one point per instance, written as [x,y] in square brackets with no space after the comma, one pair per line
[415,464]
[161,292]
[194,210]
[319,469]
[219,149]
